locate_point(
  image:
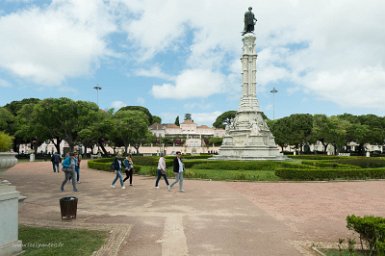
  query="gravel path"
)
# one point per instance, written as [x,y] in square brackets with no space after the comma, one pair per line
[210,218]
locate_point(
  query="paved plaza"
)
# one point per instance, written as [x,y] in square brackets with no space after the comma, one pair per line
[210,218]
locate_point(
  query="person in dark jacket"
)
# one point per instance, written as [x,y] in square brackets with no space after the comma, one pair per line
[55,159]
[117,166]
[178,168]
[128,168]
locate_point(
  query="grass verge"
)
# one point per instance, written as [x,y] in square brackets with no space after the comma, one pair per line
[53,241]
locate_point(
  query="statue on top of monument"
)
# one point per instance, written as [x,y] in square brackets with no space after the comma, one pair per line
[249,22]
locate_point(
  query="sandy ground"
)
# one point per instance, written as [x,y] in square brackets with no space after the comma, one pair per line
[210,218]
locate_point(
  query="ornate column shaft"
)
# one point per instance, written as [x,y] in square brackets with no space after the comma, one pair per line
[249,100]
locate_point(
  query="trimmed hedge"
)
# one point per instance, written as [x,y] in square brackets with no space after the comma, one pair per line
[330,174]
[104,164]
[325,169]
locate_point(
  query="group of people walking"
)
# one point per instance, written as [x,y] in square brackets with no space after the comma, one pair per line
[71,169]
[117,165]
[178,168]
[127,163]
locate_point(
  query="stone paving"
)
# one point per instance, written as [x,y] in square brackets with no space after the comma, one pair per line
[210,218]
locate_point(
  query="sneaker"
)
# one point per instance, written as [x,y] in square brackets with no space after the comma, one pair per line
[168,187]
[78,182]
[157,187]
[75,190]
[62,189]
[112,186]
[123,187]
[131,185]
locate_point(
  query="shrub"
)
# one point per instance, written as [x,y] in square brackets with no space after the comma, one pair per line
[104,164]
[371,230]
[5,142]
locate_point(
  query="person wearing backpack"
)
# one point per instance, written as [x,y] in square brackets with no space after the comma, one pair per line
[55,159]
[69,171]
[117,167]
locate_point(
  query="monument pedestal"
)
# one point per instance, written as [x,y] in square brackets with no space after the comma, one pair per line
[9,204]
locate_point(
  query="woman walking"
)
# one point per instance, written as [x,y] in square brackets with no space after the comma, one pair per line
[128,168]
[161,172]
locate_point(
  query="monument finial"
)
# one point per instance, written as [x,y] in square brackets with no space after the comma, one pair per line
[249,21]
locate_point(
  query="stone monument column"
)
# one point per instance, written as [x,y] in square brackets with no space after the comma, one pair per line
[248,137]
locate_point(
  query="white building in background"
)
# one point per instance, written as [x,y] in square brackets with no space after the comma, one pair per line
[191,134]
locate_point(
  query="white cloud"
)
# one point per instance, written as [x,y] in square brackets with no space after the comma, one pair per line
[205,118]
[365,89]
[48,45]
[154,71]
[190,84]
[116,105]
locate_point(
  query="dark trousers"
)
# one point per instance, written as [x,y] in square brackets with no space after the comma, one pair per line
[160,174]
[128,175]
[55,167]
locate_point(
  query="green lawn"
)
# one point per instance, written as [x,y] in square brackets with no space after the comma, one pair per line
[52,241]
[335,252]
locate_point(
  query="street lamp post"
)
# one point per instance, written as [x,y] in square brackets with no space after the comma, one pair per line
[274,91]
[97,88]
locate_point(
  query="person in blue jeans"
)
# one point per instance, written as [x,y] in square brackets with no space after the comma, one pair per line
[69,171]
[117,166]
[178,168]
[77,166]
[161,172]
[55,159]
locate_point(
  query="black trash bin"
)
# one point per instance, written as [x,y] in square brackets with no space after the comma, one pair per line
[68,207]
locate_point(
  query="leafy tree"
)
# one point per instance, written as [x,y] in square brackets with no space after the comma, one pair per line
[156,119]
[321,130]
[15,106]
[7,120]
[140,108]
[187,116]
[299,129]
[224,119]
[279,128]
[131,127]
[177,121]
[102,129]
[57,120]
[338,129]
[376,126]
[26,132]
[88,138]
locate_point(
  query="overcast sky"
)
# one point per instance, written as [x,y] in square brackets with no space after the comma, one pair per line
[183,56]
